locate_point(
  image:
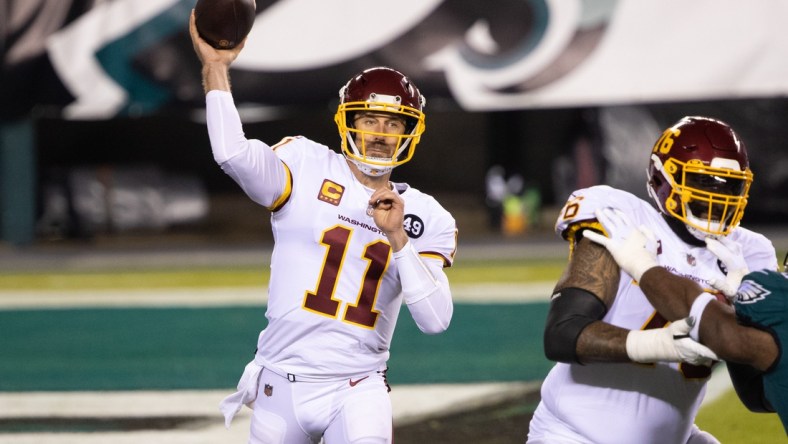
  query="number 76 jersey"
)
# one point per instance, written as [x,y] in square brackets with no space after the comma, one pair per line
[627,403]
[335,292]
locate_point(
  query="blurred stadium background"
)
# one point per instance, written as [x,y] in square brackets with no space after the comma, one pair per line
[130,263]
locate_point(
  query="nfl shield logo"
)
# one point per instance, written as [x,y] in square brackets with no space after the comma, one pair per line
[691,260]
[268,390]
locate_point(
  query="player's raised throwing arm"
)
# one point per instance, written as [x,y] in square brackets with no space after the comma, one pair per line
[251,163]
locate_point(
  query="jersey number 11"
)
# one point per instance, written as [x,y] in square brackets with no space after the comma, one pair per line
[322,301]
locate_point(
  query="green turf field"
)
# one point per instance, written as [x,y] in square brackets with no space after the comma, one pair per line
[463,273]
[179,348]
[206,347]
[728,420]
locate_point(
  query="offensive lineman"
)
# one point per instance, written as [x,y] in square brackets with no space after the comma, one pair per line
[750,337]
[350,248]
[598,391]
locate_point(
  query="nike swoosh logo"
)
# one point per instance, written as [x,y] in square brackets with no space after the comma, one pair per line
[353,383]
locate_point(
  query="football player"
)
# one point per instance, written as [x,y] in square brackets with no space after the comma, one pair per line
[620,376]
[762,302]
[749,338]
[350,247]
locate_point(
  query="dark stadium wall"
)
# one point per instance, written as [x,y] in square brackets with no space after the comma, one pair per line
[456,151]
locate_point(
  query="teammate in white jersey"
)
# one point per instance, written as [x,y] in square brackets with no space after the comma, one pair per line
[621,377]
[750,338]
[350,247]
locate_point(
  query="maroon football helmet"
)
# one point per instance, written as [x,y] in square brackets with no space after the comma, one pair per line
[380,90]
[699,173]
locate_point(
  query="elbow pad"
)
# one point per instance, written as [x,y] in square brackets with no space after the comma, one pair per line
[571,310]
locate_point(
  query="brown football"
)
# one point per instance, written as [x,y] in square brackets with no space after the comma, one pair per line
[224,23]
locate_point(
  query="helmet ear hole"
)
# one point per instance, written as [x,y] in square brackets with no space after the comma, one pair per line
[656,181]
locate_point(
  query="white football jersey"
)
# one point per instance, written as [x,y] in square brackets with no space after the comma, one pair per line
[627,403]
[333,277]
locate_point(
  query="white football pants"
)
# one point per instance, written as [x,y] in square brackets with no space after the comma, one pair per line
[356,410]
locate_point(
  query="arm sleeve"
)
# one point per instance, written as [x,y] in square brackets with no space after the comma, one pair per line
[571,311]
[251,163]
[425,289]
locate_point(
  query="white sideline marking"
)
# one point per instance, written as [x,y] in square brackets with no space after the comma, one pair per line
[159,297]
[223,296]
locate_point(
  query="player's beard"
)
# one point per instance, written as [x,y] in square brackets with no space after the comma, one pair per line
[377,150]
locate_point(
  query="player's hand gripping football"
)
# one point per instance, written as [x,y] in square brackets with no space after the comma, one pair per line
[215,62]
[729,252]
[207,53]
[633,248]
[388,212]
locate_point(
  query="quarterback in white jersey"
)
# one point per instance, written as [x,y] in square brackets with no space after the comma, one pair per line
[350,248]
[618,378]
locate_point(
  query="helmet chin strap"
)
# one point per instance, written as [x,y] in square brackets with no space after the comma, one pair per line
[368,169]
[698,234]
